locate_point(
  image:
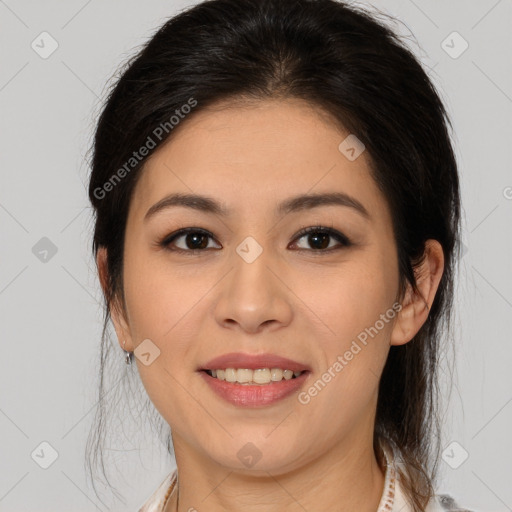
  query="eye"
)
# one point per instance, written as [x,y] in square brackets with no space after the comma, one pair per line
[320,238]
[191,239]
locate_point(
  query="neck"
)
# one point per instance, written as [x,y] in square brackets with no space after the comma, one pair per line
[346,478]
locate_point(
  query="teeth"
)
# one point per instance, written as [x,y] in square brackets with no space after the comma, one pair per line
[259,376]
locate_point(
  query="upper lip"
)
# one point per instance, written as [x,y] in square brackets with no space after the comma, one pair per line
[253,361]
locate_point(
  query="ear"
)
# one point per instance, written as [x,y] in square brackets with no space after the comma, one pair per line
[414,312]
[116,310]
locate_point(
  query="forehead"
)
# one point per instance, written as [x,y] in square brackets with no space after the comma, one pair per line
[254,156]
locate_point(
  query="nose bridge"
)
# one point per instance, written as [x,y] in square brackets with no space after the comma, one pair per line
[251,274]
[252,294]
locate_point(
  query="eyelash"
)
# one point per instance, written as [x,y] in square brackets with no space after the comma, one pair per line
[339,237]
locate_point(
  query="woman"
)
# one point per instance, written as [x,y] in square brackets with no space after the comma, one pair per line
[277,226]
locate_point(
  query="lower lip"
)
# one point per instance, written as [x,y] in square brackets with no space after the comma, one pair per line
[246,395]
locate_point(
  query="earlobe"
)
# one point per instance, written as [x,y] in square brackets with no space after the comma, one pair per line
[116,314]
[402,327]
[416,307]
[121,327]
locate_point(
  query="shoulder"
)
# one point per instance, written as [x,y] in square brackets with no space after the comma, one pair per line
[438,503]
[447,503]
[394,498]
[156,501]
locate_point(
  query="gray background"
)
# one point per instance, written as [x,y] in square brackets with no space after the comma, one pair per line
[51,310]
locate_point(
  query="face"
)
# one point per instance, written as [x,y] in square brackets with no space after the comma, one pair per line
[246,280]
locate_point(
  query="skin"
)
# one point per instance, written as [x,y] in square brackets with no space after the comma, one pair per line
[295,303]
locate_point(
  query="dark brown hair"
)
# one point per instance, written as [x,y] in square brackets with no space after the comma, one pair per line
[344,61]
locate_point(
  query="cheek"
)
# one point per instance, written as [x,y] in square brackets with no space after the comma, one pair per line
[160,306]
[352,359]
[350,299]
[354,305]
[158,296]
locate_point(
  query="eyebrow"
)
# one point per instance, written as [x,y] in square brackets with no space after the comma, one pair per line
[298,203]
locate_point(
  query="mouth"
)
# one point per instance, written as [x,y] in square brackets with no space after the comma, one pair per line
[253,394]
[246,380]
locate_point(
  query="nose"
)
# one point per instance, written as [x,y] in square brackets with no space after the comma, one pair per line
[252,297]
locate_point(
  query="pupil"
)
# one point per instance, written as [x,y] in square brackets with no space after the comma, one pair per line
[324,240]
[195,237]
